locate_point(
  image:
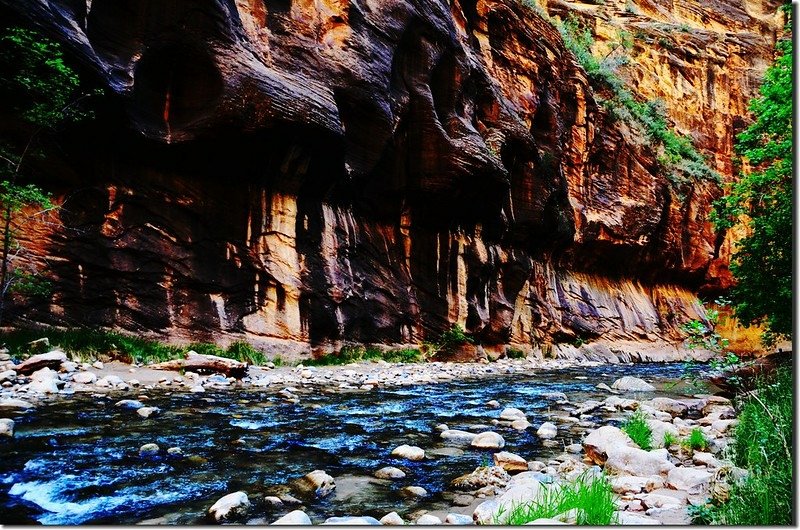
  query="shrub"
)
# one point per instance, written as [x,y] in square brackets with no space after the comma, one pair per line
[637,428]
[351,354]
[455,336]
[590,495]
[696,441]
[514,353]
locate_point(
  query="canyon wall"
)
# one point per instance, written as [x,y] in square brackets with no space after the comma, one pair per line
[304,173]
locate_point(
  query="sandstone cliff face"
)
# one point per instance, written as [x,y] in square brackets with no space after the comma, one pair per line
[311,172]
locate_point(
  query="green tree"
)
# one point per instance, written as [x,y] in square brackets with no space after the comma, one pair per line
[42,92]
[762,263]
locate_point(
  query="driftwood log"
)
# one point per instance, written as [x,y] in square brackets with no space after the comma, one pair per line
[211,363]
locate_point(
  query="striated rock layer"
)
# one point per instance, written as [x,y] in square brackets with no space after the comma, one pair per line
[313,172]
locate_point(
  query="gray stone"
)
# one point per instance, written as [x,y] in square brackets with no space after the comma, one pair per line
[390,472]
[231,505]
[488,440]
[6,428]
[428,520]
[392,519]
[409,452]
[297,517]
[632,384]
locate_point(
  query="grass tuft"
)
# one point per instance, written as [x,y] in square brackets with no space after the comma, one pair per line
[696,441]
[589,495]
[351,354]
[669,439]
[637,428]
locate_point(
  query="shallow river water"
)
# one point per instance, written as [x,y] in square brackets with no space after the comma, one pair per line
[76,460]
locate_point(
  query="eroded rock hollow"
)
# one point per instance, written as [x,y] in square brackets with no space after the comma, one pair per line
[304,173]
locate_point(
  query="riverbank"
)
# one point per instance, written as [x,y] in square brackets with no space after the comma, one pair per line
[358,416]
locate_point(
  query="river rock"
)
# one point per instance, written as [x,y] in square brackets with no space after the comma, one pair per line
[44,381]
[574,448]
[627,484]
[672,406]
[520,425]
[146,412]
[51,359]
[109,381]
[317,483]
[392,519]
[493,404]
[481,477]
[197,389]
[632,384]
[510,462]
[390,472]
[231,505]
[129,404]
[149,450]
[632,519]
[8,375]
[701,458]
[555,396]
[458,519]
[659,429]
[428,519]
[409,452]
[624,460]
[547,431]
[14,405]
[655,500]
[414,491]
[456,436]
[598,442]
[511,414]
[488,440]
[691,480]
[84,378]
[6,428]
[297,517]
[353,521]
[485,513]
[442,427]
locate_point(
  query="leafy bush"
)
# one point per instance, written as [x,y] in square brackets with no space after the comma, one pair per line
[453,337]
[640,432]
[514,353]
[590,495]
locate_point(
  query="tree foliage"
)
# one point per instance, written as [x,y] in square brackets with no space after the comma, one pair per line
[762,263]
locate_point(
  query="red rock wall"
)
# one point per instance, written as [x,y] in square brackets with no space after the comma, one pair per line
[371,171]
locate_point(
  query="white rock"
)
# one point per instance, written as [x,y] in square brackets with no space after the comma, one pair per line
[146,412]
[624,460]
[628,518]
[84,378]
[297,517]
[149,450]
[15,405]
[109,381]
[659,429]
[632,384]
[627,484]
[705,459]
[197,389]
[488,440]
[409,452]
[175,451]
[655,500]
[520,425]
[442,427]
[392,519]
[458,519]
[511,414]
[691,480]
[456,436]
[68,367]
[6,428]
[390,472]
[231,505]
[98,365]
[598,442]
[414,491]
[510,461]
[547,431]
[352,521]
[493,403]
[129,404]
[318,483]
[485,512]
[672,406]
[428,519]
[8,375]
[44,381]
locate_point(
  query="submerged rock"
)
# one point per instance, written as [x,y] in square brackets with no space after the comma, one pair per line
[390,472]
[146,412]
[150,449]
[230,506]
[456,436]
[317,483]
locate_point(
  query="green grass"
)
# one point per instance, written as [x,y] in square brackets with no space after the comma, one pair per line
[590,495]
[351,354]
[696,441]
[513,353]
[636,427]
[91,344]
[669,439]
[763,446]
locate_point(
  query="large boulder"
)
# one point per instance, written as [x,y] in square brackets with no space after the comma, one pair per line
[230,506]
[624,460]
[632,384]
[51,359]
[488,440]
[598,442]
[659,429]
[672,406]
